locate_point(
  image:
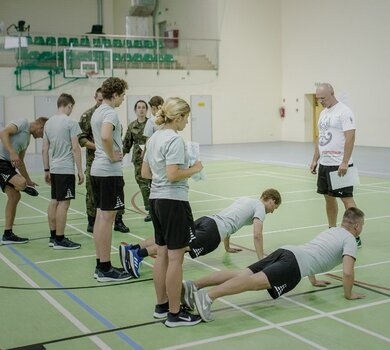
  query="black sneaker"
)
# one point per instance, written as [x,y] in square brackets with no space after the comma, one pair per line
[184,318]
[147,218]
[161,311]
[95,274]
[31,191]
[66,244]
[13,239]
[51,242]
[358,242]
[90,228]
[112,275]
[121,227]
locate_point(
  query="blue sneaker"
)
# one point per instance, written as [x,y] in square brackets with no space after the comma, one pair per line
[135,262]
[123,256]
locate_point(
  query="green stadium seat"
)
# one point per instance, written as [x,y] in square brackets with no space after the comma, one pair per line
[51,40]
[149,44]
[62,41]
[126,57]
[60,55]
[84,42]
[38,40]
[117,43]
[138,44]
[149,58]
[129,43]
[96,42]
[29,40]
[46,55]
[33,55]
[106,42]
[137,57]
[116,57]
[73,41]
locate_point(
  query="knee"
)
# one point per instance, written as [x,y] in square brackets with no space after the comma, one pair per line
[20,184]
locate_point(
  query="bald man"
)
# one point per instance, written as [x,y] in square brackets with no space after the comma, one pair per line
[333,151]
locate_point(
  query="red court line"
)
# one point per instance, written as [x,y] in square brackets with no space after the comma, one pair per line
[135,205]
[358,282]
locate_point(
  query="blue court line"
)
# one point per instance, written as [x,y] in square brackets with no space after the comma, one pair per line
[76,299]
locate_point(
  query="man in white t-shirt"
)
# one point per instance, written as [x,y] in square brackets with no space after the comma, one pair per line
[15,138]
[60,152]
[333,151]
[283,269]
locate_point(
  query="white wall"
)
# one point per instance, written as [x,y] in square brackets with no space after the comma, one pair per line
[345,43]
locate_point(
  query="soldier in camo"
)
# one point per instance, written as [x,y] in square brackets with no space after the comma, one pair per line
[86,140]
[135,138]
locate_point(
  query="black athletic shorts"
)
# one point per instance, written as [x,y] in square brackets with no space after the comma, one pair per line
[173,223]
[108,192]
[324,186]
[7,172]
[206,239]
[282,270]
[63,186]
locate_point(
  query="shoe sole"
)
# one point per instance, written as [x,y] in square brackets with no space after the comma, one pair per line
[133,270]
[160,316]
[122,257]
[51,245]
[181,324]
[58,247]
[110,279]
[200,309]
[184,297]
[12,242]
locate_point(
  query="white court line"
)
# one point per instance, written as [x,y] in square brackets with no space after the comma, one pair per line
[76,322]
[340,320]
[264,328]
[33,217]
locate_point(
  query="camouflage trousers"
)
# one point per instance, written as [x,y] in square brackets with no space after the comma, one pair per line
[91,210]
[143,184]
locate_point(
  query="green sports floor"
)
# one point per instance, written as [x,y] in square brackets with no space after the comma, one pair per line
[49,299]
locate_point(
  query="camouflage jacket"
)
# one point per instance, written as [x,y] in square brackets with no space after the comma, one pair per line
[86,135]
[135,137]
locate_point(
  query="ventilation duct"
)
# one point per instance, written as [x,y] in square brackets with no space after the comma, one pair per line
[142,8]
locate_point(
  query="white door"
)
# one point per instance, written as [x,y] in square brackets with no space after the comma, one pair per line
[201,122]
[45,106]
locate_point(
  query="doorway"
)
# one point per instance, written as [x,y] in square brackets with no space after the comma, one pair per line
[312,114]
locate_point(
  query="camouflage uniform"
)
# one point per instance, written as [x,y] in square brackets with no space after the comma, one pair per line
[84,137]
[134,138]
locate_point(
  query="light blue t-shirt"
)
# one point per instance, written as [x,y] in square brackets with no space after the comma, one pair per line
[166,147]
[102,165]
[325,251]
[151,127]
[239,214]
[19,141]
[59,131]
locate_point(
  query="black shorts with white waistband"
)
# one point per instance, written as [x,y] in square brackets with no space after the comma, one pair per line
[206,239]
[108,192]
[324,185]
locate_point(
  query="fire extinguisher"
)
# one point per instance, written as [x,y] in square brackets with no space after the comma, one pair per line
[282,112]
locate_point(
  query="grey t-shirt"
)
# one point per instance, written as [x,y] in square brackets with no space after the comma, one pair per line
[325,251]
[166,147]
[239,214]
[102,165]
[19,141]
[151,127]
[59,131]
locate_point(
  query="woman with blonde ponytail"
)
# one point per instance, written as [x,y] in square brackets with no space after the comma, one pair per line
[166,163]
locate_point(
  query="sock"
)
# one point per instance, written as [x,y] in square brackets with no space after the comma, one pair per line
[174,314]
[165,305]
[97,263]
[136,246]
[59,238]
[105,266]
[52,233]
[143,253]
[8,233]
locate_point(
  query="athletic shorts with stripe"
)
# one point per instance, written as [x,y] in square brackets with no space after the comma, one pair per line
[63,187]
[282,270]
[206,239]
[108,192]
[7,172]
[173,223]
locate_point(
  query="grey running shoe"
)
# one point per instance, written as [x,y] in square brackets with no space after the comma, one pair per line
[161,311]
[187,294]
[203,305]
[66,244]
[113,275]
[184,318]
[51,242]
[13,239]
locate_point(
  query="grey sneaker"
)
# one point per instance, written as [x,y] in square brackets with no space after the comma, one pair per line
[113,275]
[65,244]
[187,294]
[203,305]
[13,239]
[184,318]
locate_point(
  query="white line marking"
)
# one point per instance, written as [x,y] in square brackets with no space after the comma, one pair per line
[76,322]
